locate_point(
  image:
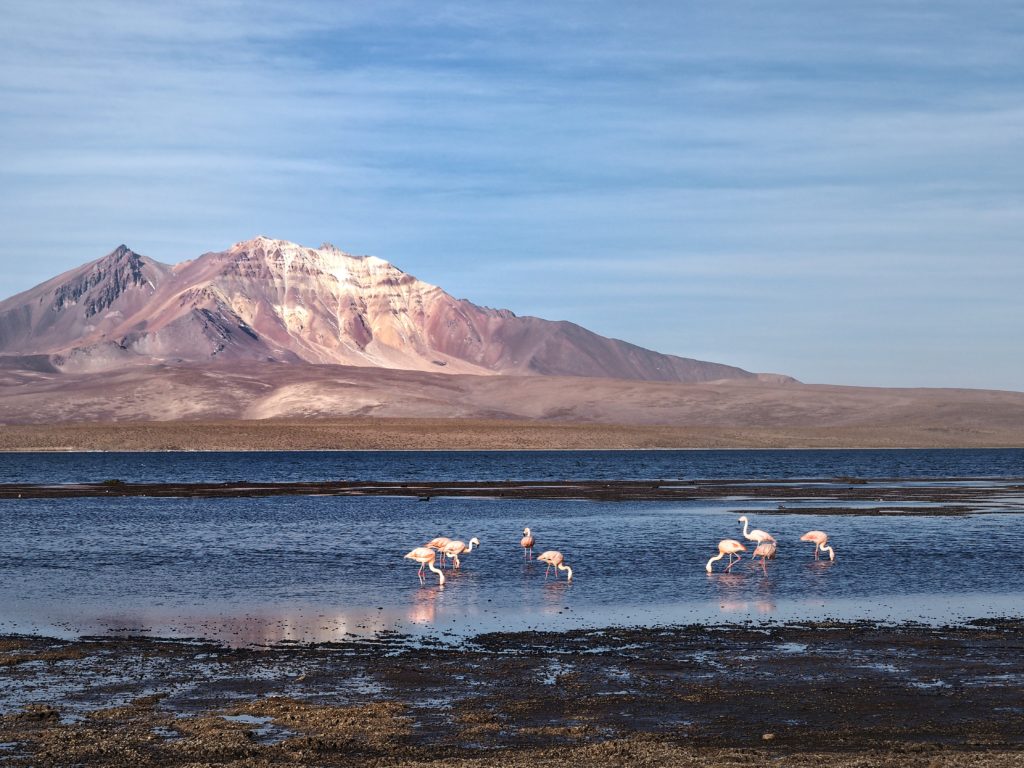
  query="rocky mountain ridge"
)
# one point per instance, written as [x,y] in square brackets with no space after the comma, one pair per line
[266,300]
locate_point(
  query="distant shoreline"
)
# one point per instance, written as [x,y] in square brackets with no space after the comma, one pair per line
[831,497]
[405,434]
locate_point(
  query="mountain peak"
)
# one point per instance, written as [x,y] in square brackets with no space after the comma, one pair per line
[288,248]
[264,242]
[121,252]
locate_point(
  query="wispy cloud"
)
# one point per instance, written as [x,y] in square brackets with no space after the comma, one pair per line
[749,180]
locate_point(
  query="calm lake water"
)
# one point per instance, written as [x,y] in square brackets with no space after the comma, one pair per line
[318,568]
[303,466]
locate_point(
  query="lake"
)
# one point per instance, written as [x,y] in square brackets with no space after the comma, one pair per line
[305,568]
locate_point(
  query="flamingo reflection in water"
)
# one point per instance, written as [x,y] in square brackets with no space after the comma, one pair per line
[423,609]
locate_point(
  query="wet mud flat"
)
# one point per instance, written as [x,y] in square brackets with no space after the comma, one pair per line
[799,694]
[948,496]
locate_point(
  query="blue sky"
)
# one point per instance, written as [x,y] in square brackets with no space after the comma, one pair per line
[833,191]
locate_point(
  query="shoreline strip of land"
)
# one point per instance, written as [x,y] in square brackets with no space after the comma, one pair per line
[835,496]
[365,433]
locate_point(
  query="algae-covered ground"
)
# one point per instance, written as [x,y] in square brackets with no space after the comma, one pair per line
[800,694]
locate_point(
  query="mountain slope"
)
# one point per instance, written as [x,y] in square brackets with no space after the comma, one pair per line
[81,304]
[272,300]
[197,393]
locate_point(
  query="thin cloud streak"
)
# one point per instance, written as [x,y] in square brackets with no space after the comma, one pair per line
[798,152]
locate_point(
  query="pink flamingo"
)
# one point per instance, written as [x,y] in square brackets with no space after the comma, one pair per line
[766,551]
[455,548]
[439,544]
[756,534]
[820,539]
[425,557]
[527,543]
[728,547]
[554,558]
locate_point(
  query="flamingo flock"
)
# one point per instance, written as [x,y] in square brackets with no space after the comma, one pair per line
[450,549]
[766,546]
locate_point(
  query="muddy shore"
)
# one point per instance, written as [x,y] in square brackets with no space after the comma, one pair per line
[836,694]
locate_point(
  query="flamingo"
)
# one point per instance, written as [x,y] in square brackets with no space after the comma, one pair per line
[554,558]
[439,544]
[728,547]
[425,557]
[756,534]
[766,551]
[820,539]
[527,543]
[455,548]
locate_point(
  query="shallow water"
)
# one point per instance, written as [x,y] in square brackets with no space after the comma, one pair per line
[320,568]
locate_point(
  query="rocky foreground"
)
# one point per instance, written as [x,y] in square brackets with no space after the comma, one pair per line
[821,694]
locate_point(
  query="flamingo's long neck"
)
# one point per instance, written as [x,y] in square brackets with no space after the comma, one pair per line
[470,548]
[438,571]
[564,567]
[719,556]
[831,552]
[746,528]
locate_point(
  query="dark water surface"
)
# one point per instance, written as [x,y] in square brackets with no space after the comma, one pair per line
[302,466]
[315,568]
